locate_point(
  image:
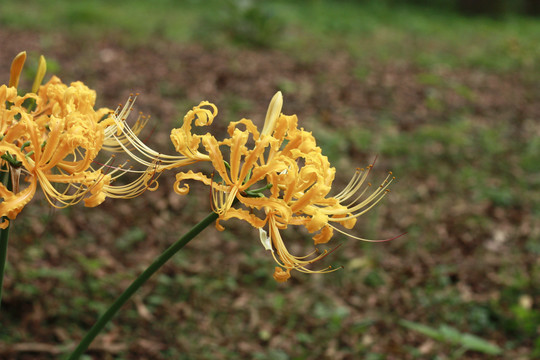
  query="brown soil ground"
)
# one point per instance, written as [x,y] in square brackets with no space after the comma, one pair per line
[171,78]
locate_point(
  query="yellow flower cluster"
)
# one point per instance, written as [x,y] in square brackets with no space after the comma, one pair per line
[291,177]
[52,136]
[272,179]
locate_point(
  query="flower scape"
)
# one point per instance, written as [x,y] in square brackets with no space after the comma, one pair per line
[272,179]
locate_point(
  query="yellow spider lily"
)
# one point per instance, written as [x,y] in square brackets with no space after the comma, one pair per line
[293,180]
[53,138]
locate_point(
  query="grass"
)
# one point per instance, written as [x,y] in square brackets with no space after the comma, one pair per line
[371,31]
[448,103]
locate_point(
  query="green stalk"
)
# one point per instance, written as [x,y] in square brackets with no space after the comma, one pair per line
[4,235]
[138,282]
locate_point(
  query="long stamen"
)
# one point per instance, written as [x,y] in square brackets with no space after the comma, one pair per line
[125,135]
[366,240]
[289,261]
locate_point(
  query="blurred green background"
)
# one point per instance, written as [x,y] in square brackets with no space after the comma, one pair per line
[445,93]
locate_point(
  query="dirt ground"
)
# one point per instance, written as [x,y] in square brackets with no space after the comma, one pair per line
[324,92]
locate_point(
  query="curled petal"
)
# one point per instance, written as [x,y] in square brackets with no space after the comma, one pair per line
[7,94]
[324,236]
[98,195]
[95,200]
[190,175]
[276,206]
[250,127]
[347,223]
[4,224]
[316,222]
[13,204]
[219,227]
[312,196]
[244,215]
[181,190]
[201,115]
[212,147]
[280,275]
[285,124]
[17,153]
[184,141]
[238,142]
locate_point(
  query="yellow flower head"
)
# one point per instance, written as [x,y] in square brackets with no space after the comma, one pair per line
[280,178]
[53,138]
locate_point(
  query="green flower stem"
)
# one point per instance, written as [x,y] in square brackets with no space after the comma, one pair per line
[4,234]
[138,282]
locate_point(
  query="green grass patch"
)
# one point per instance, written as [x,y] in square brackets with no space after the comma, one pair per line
[370,30]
